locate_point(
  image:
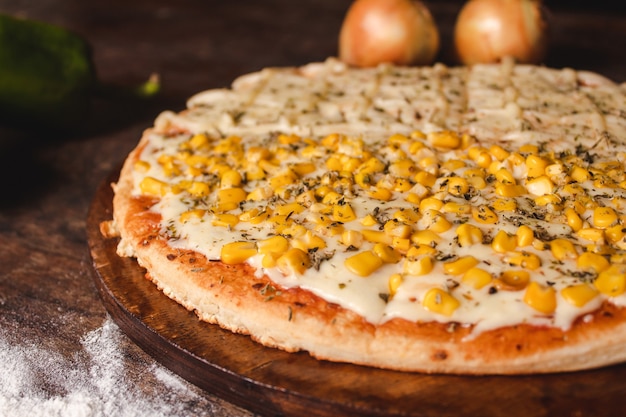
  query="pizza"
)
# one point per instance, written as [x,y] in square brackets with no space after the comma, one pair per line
[466,220]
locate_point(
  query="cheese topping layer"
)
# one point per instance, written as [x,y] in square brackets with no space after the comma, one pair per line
[489,196]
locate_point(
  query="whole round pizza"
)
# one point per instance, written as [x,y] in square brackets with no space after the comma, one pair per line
[440,219]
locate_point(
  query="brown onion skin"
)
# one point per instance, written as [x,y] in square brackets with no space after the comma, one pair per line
[488,30]
[401,32]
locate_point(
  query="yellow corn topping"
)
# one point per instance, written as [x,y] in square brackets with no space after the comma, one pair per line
[490,220]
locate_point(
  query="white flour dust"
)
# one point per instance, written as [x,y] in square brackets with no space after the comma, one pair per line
[93,383]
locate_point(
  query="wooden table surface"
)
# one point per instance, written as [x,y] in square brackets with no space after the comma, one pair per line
[48,301]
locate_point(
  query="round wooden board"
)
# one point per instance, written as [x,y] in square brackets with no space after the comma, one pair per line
[275,383]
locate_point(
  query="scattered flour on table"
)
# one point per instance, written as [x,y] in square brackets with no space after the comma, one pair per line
[93,383]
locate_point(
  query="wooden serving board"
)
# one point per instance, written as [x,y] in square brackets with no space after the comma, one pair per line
[275,383]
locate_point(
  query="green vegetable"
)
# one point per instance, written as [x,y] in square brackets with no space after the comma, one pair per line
[47,76]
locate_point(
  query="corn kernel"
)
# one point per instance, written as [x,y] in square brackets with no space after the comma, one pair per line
[363,179]
[192,214]
[395,280]
[288,209]
[436,221]
[536,166]
[430,203]
[477,277]
[199,189]
[544,200]
[369,220]
[153,186]
[474,172]
[282,179]
[615,233]
[288,139]
[592,234]
[604,217]
[573,219]
[418,265]
[498,152]
[618,258]
[480,156]
[578,295]
[593,261]
[477,183]
[456,208]
[274,244]
[444,139]
[457,186]
[331,141]
[308,241]
[229,198]
[237,252]
[413,198]
[343,213]
[382,194]
[453,165]
[512,280]
[440,302]
[257,217]
[225,220]
[376,236]
[400,244]
[579,174]
[415,147]
[503,242]
[429,164]
[516,159]
[406,215]
[525,236]
[386,253]
[303,168]
[425,178]
[504,205]
[563,249]
[524,260]
[141,166]
[402,185]
[372,166]
[541,298]
[600,249]
[425,237]
[397,229]
[363,263]
[459,266]
[260,193]
[403,168]
[529,148]
[419,250]
[198,141]
[483,214]
[468,235]
[333,163]
[612,281]
[230,179]
[540,186]
[293,261]
[505,176]
[510,190]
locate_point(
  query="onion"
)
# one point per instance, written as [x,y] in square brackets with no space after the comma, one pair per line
[401,32]
[489,30]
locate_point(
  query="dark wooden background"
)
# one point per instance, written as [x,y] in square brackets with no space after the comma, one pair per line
[47,181]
